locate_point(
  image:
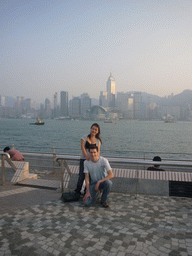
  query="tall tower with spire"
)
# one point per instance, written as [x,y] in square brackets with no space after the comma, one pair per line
[111,91]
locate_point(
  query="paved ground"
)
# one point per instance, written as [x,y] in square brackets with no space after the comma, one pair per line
[36,222]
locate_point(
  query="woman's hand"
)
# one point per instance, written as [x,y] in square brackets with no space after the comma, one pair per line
[87,158]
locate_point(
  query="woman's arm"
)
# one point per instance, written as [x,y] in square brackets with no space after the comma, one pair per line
[84,150]
[99,148]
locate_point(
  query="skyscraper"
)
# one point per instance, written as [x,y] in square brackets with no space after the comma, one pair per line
[47,108]
[55,101]
[55,106]
[103,99]
[137,105]
[76,107]
[124,102]
[64,103]
[85,105]
[111,91]
[2,101]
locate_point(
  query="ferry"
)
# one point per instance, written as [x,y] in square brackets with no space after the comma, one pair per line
[108,121]
[39,122]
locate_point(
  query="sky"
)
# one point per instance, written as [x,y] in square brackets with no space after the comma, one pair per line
[49,46]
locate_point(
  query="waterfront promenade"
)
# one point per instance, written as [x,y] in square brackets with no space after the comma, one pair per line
[36,222]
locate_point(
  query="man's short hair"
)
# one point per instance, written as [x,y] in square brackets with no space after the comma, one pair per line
[157,159]
[92,146]
[6,149]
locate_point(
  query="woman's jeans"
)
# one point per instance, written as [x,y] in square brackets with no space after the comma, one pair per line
[81,177]
[104,186]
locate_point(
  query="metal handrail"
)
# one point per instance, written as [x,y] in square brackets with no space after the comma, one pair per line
[144,153]
[134,161]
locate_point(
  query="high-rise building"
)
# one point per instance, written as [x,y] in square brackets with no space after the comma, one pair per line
[124,102]
[47,108]
[2,101]
[103,99]
[55,103]
[28,104]
[85,106]
[111,91]
[137,105]
[55,106]
[64,103]
[76,107]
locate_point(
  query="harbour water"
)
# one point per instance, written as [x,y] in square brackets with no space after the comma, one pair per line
[146,136]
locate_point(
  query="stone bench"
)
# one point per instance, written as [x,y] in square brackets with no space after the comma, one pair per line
[19,173]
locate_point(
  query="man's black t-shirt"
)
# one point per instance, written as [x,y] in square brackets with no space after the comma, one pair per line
[153,168]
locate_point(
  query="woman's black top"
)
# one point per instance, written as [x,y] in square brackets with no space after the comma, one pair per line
[87,144]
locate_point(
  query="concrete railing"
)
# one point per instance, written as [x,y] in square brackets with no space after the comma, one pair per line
[47,161]
[151,180]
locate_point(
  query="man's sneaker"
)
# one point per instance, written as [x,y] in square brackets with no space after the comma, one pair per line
[105,204]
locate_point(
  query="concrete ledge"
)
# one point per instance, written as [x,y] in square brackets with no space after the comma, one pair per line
[32,176]
[135,181]
[21,173]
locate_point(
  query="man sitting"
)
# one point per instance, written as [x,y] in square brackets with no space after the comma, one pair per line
[98,174]
[14,154]
[155,167]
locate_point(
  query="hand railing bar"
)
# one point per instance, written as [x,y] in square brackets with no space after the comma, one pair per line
[120,159]
[134,161]
[28,153]
[132,157]
[104,150]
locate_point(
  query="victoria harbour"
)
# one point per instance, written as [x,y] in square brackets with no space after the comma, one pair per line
[118,138]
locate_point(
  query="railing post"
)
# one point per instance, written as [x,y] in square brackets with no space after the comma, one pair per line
[144,159]
[62,174]
[54,159]
[3,168]
[137,180]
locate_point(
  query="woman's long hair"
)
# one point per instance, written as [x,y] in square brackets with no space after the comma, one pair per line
[98,134]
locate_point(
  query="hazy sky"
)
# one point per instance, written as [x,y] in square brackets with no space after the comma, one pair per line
[72,45]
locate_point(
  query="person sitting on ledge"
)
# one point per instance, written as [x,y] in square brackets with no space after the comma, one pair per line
[14,154]
[155,167]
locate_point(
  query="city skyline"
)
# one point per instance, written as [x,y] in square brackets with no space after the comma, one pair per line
[107,97]
[73,46]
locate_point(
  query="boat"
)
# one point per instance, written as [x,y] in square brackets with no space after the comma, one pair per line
[169,121]
[39,122]
[108,121]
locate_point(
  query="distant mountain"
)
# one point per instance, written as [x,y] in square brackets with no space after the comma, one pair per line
[184,98]
[146,97]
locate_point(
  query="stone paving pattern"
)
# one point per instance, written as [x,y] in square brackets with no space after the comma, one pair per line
[36,222]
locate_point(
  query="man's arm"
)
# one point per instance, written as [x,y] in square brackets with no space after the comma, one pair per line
[108,177]
[87,187]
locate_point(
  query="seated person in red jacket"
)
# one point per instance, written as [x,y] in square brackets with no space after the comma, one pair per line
[155,167]
[14,154]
